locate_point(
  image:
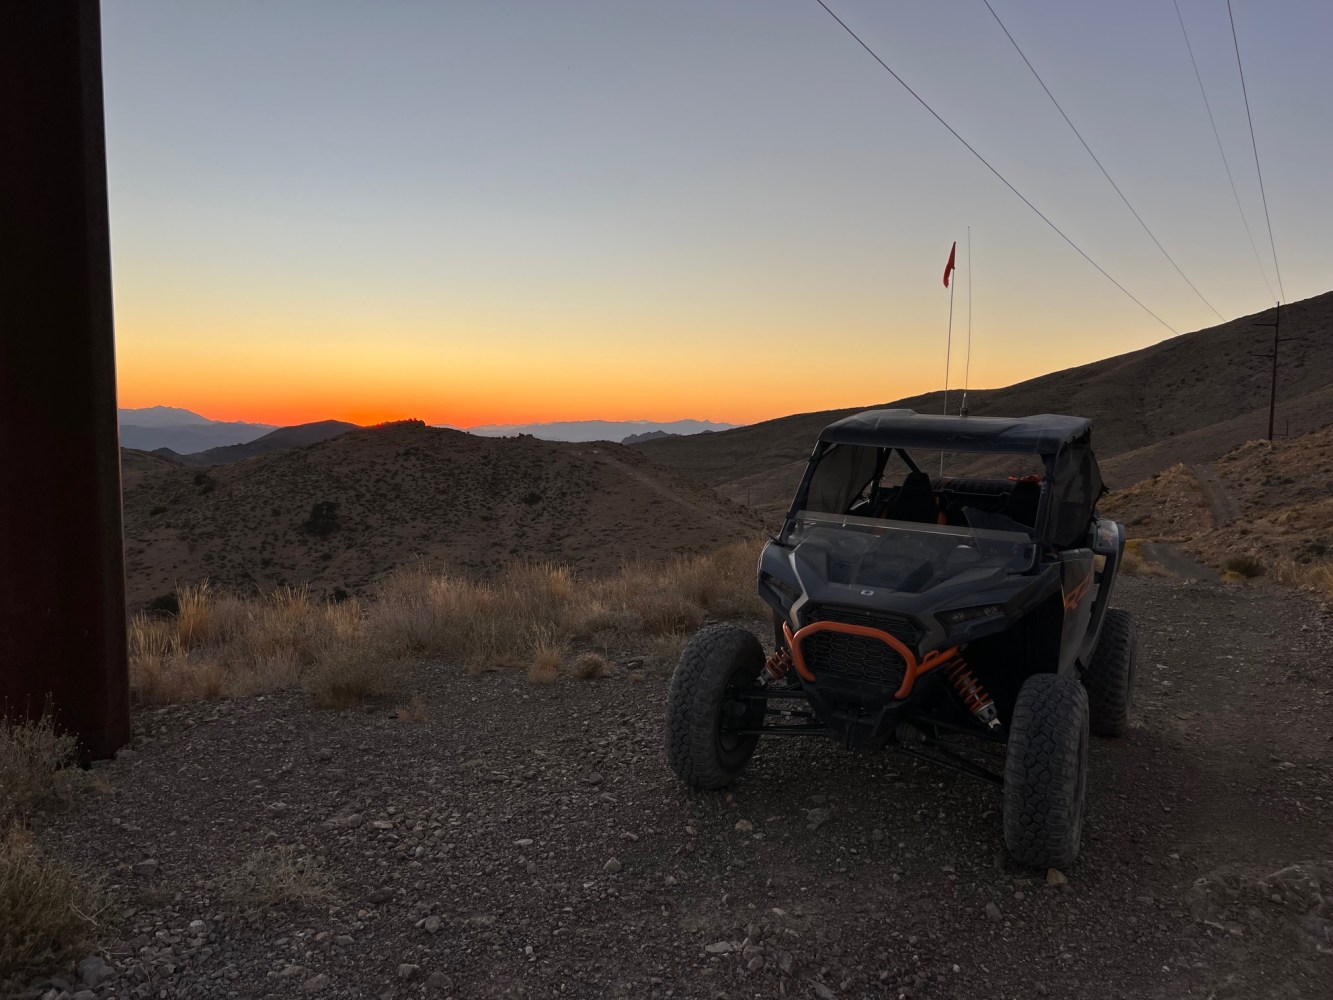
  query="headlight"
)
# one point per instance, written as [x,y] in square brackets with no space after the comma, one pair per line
[773,583]
[963,616]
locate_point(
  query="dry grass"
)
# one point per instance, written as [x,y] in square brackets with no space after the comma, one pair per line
[278,876]
[529,615]
[47,912]
[34,767]
[1313,576]
[547,659]
[590,666]
[1136,565]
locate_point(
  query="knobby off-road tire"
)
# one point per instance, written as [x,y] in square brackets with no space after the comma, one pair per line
[719,660]
[1045,771]
[1110,677]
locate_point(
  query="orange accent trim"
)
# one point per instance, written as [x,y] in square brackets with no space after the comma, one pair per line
[915,668]
[1077,591]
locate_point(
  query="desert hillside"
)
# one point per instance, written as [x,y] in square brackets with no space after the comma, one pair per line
[1271,504]
[339,513]
[1191,398]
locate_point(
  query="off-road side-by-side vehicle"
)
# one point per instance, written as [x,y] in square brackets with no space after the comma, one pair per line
[962,620]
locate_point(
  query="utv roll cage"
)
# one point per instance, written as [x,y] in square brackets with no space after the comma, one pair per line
[1071,483]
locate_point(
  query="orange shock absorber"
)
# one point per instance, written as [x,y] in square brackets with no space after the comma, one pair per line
[778,664]
[973,694]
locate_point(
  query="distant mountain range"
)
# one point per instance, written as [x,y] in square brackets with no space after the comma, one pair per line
[598,430]
[296,436]
[183,431]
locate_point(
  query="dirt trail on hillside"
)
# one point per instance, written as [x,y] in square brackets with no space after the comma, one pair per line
[1224,508]
[529,841]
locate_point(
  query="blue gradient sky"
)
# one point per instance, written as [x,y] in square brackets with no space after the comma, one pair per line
[506,212]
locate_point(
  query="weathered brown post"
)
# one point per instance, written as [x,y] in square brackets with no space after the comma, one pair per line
[62,587]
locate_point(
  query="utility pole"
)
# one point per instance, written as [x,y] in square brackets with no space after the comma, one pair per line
[62,581]
[1272,392]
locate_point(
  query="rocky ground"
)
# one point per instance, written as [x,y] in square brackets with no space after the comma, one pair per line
[529,841]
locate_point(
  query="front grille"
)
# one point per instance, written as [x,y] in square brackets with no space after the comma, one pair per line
[854,657]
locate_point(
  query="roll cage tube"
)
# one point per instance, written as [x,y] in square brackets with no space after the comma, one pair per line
[1040,531]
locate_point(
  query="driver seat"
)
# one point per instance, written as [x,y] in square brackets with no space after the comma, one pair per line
[915,501]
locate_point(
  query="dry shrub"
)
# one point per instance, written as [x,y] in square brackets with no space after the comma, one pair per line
[415,710]
[1314,576]
[207,617]
[34,760]
[590,666]
[278,876]
[47,912]
[547,658]
[665,649]
[222,645]
[1136,565]
[1246,566]
[346,673]
[1231,577]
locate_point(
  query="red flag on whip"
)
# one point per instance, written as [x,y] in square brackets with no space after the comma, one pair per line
[948,268]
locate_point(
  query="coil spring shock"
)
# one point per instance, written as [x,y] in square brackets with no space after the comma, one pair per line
[778,664]
[973,694]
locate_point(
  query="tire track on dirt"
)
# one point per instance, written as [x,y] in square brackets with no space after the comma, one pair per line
[1220,503]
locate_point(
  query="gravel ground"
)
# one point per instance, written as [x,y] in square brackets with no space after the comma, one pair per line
[529,841]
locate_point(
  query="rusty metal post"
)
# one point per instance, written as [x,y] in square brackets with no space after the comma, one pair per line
[62,586]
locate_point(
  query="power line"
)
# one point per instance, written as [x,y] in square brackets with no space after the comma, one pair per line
[1267,218]
[1226,165]
[986,163]
[1133,211]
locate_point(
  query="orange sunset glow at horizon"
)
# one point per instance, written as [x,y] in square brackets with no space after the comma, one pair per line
[622,212]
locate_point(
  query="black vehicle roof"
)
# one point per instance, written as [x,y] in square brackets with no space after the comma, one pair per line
[1044,433]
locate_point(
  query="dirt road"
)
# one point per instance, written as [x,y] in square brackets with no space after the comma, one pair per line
[529,841]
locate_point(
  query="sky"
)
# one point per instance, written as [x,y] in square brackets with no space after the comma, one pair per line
[511,212]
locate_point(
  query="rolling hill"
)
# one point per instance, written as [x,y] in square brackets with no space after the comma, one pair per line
[295,436]
[339,513]
[1190,398]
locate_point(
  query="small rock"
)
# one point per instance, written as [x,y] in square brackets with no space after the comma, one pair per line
[523,842]
[380,896]
[720,948]
[1055,877]
[993,913]
[431,924]
[93,969]
[147,868]
[594,778]
[744,826]
[816,818]
[407,971]
[315,983]
[822,991]
[785,962]
[439,981]
[343,940]
[612,866]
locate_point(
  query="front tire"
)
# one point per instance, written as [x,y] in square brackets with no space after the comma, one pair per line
[1110,677]
[718,663]
[1045,772]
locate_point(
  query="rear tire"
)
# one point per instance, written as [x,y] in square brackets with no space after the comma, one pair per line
[1110,677]
[719,661]
[1045,772]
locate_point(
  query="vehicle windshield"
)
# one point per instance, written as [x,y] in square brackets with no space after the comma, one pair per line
[905,556]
